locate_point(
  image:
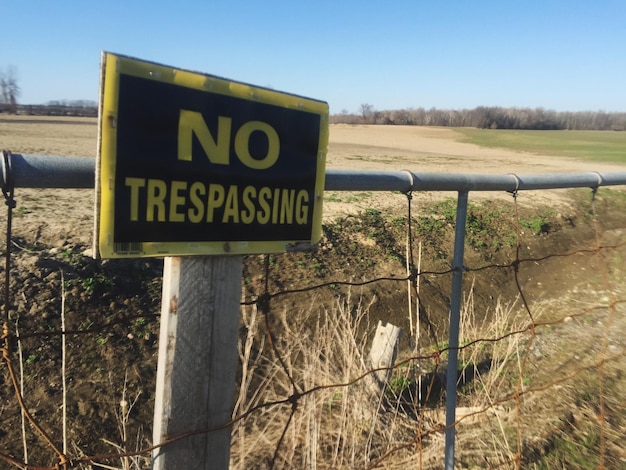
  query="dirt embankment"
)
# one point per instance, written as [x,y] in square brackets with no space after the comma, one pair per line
[364,238]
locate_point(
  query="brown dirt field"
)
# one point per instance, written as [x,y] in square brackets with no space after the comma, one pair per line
[386,148]
[436,150]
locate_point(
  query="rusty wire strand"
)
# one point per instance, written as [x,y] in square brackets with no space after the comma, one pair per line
[438,429]
[412,286]
[264,307]
[266,311]
[289,400]
[264,304]
[8,193]
[9,200]
[93,329]
[531,328]
[604,345]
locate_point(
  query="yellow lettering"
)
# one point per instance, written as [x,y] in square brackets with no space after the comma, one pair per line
[192,123]
[242,145]
[176,201]
[198,202]
[231,210]
[275,206]
[215,199]
[247,216]
[286,206]
[195,214]
[157,190]
[264,194]
[302,207]
[135,184]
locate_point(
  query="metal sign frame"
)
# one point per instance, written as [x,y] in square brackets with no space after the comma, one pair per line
[194,164]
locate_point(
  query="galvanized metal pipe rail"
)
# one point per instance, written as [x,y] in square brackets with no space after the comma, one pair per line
[44,171]
[403,181]
[37,171]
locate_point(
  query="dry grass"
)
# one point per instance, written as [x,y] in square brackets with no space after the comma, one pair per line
[516,406]
[339,426]
[330,425]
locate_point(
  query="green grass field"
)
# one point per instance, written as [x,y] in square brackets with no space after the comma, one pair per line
[605,146]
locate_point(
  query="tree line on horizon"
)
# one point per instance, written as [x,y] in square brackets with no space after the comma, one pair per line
[85,108]
[487,117]
[482,117]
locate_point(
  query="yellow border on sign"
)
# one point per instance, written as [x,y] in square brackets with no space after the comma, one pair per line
[108,153]
[113,66]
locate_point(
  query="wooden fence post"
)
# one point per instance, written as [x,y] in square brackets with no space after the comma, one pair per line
[197,360]
[383,355]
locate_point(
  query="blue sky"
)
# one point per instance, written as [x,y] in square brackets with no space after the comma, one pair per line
[564,55]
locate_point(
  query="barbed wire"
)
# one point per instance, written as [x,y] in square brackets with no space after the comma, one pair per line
[420,430]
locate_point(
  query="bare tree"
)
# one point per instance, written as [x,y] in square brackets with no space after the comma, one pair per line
[367,112]
[9,89]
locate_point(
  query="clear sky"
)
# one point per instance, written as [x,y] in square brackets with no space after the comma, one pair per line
[567,55]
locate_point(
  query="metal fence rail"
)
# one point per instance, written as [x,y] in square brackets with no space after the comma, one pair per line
[35,171]
[39,171]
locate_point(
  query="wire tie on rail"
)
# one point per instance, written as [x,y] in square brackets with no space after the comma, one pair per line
[594,189]
[6,159]
[517,185]
[409,193]
[7,179]
[7,190]
[599,179]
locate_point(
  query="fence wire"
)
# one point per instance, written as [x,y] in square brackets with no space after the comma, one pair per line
[305,396]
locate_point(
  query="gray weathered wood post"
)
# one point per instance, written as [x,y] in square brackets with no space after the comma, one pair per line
[197,361]
[383,354]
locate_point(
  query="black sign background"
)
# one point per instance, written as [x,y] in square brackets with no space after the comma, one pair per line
[147,147]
